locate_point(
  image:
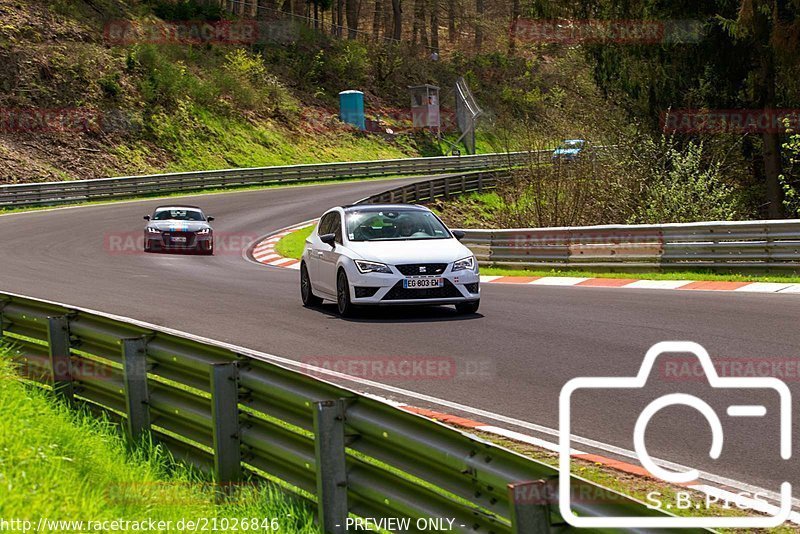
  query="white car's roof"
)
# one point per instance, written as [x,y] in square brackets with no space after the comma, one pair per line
[380,207]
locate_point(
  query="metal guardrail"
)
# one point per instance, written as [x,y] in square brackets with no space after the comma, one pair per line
[66,192]
[236,412]
[733,246]
[445,188]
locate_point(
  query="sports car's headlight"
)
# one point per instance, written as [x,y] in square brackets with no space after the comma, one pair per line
[204,231]
[151,230]
[366,267]
[464,264]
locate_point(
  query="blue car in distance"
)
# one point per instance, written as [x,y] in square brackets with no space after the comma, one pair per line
[569,150]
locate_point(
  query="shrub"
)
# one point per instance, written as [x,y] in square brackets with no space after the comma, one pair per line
[684,186]
[110,85]
[789,180]
[253,86]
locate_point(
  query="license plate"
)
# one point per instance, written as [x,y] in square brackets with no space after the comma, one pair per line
[423,283]
[179,240]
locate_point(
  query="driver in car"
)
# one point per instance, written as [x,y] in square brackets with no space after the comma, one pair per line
[406,228]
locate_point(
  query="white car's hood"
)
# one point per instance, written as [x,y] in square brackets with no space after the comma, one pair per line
[411,251]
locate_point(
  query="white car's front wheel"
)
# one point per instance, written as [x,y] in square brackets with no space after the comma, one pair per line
[343,301]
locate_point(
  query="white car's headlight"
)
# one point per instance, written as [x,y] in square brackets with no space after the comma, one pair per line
[464,264]
[151,230]
[366,267]
[204,231]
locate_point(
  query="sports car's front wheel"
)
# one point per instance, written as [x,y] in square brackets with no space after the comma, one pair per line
[343,302]
[308,296]
[206,248]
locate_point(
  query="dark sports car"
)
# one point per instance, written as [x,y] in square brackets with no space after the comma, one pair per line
[179,228]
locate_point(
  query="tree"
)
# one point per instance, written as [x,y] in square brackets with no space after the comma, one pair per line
[746,58]
[479,13]
[767,26]
[419,32]
[515,16]
[435,25]
[397,18]
[377,19]
[353,7]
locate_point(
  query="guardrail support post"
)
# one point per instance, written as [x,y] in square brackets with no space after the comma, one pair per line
[3,304]
[329,448]
[530,511]
[60,363]
[225,417]
[134,362]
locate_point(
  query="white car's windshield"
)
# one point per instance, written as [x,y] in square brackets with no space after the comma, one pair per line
[394,225]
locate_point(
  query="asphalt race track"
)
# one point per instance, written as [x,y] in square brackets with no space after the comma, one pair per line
[512,358]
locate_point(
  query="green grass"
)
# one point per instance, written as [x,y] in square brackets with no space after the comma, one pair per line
[292,245]
[206,140]
[63,464]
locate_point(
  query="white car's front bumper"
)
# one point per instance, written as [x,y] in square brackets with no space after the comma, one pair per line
[387,289]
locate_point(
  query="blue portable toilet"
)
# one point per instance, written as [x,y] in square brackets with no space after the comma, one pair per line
[351,108]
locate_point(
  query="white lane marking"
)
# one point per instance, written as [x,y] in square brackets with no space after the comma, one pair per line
[793,288]
[657,284]
[524,438]
[747,411]
[762,287]
[284,362]
[558,281]
[486,279]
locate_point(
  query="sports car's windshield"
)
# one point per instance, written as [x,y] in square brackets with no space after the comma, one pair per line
[178,215]
[394,225]
[572,143]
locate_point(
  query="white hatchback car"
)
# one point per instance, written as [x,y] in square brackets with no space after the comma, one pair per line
[387,255]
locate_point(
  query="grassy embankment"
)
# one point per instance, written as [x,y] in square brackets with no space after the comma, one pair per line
[67,465]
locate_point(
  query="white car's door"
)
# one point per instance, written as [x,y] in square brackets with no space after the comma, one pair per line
[328,256]
[314,251]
